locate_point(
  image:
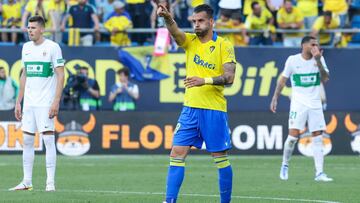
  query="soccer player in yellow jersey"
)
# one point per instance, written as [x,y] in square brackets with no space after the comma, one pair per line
[289,17]
[210,65]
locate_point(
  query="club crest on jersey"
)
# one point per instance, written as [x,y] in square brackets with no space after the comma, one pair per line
[212,49]
[199,61]
[74,138]
[44,53]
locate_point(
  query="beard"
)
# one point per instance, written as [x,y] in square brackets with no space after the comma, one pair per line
[201,33]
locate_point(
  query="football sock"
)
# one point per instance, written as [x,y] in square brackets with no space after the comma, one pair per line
[225,177]
[175,178]
[49,141]
[317,145]
[28,158]
[289,146]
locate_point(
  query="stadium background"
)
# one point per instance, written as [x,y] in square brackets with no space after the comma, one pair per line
[133,146]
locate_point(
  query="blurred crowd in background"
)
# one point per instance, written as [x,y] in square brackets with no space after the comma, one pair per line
[256,21]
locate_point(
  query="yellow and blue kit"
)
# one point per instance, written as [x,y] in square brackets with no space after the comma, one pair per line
[204,116]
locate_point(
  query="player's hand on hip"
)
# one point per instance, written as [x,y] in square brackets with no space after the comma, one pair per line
[54,110]
[193,81]
[273,105]
[162,11]
[18,114]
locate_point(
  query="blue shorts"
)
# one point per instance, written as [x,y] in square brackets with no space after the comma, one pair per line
[196,126]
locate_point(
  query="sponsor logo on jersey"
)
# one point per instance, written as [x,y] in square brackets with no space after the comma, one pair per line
[199,61]
[34,69]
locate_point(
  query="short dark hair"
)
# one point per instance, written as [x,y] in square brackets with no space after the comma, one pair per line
[307,39]
[327,13]
[236,16]
[226,12]
[40,20]
[253,4]
[206,8]
[124,70]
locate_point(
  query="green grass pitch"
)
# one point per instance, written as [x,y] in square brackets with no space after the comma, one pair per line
[141,178]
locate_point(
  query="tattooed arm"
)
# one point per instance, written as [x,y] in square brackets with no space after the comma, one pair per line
[225,79]
[228,77]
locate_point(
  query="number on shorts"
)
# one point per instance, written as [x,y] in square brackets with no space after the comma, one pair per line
[292,114]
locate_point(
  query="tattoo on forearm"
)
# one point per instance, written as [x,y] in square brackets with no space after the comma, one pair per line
[220,80]
[228,77]
[323,74]
[169,21]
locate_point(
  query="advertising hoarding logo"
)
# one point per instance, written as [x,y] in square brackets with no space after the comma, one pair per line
[354,129]
[73,138]
[305,141]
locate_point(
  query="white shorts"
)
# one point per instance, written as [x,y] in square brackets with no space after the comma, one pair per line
[36,119]
[300,114]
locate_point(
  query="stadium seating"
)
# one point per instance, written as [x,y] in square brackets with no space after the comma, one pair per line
[356,24]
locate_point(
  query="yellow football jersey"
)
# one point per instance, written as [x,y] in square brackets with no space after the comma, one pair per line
[206,60]
[308,7]
[336,6]
[10,13]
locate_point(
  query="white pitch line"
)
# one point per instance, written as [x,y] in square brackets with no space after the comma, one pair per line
[189,194]
[199,195]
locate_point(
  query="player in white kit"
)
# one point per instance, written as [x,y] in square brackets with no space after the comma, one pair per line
[306,70]
[41,85]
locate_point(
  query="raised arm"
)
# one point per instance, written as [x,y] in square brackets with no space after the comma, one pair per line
[279,86]
[171,25]
[315,51]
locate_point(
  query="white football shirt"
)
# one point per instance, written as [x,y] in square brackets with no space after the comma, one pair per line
[40,62]
[305,80]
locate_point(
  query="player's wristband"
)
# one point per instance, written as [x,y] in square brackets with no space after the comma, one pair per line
[208,81]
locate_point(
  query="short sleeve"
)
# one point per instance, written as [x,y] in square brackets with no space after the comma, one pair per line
[57,59]
[324,64]
[188,38]
[279,18]
[92,10]
[29,7]
[336,21]
[227,52]
[71,10]
[136,89]
[248,22]
[287,70]
[318,24]
[299,16]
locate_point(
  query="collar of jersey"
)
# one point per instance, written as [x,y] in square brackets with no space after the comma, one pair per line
[214,36]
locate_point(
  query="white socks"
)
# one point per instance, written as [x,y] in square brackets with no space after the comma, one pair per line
[317,146]
[28,158]
[289,146]
[49,141]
